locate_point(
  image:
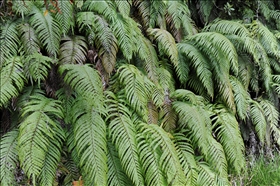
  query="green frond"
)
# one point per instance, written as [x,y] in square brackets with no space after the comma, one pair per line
[65,16]
[29,39]
[166,45]
[245,70]
[26,94]
[85,21]
[150,162]
[90,141]
[183,75]
[47,29]
[36,67]
[241,97]
[266,38]
[12,79]
[227,27]
[36,132]
[135,88]
[187,96]
[22,7]
[166,80]
[198,61]
[104,8]
[153,114]
[106,43]
[274,64]
[73,50]
[258,119]
[83,79]
[205,175]
[186,156]
[116,176]
[205,9]
[123,134]
[227,130]
[272,116]
[123,31]
[169,159]
[148,54]
[144,10]
[123,7]
[181,16]
[48,172]
[8,158]
[9,42]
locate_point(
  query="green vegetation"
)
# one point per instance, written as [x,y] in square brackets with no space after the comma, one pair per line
[138,92]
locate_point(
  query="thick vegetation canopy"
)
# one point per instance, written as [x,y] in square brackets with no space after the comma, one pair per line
[137,92]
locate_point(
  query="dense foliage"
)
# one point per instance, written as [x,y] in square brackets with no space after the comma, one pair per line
[136,92]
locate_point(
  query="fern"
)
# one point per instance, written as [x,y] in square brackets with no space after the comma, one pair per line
[73,50]
[123,134]
[37,67]
[65,16]
[9,157]
[169,159]
[12,80]
[123,7]
[47,28]
[36,132]
[9,42]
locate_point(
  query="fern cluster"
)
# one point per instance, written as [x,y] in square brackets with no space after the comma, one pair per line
[135,92]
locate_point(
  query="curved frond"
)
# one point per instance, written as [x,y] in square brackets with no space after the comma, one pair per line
[83,79]
[36,67]
[116,176]
[135,88]
[12,80]
[258,118]
[8,158]
[241,97]
[123,7]
[65,16]
[29,39]
[169,159]
[228,133]
[47,28]
[123,134]
[36,132]
[200,63]
[90,140]
[73,50]
[9,41]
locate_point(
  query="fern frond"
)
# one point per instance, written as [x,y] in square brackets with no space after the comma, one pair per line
[106,43]
[186,156]
[9,42]
[205,175]
[123,7]
[123,134]
[73,50]
[258,118]
[116,176]
[90,141]
[22,7]
[35,133]
[241,97]
[12,80]
[205,9]
[166,43]
[228,133]
[46,28]
[150,162]
[65,16]
[200,63]
[9,158]
[85,80]
[85,21]
[169,159]
[227,27]
[37,67]
[48,173]
[135,88]
[29,39]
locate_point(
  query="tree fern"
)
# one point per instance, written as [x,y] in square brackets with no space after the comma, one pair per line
[9,157]
[36,132]
[12,79]
[73,50]
[47,29]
